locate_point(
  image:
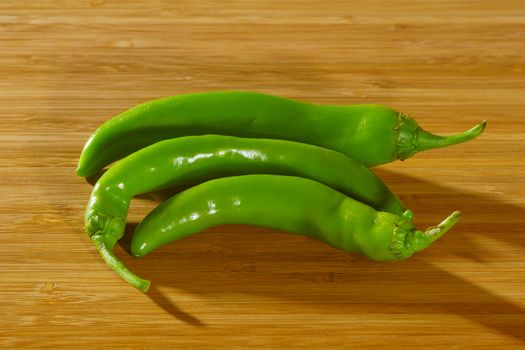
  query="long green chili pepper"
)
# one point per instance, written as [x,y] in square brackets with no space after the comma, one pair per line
[371,134]
[195,159]
[290,204]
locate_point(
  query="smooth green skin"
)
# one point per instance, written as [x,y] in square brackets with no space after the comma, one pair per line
[286,203]
[196,159]
[371,134]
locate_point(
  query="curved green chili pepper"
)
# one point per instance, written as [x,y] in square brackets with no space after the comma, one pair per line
[371,134]
[290,204]
[195,159]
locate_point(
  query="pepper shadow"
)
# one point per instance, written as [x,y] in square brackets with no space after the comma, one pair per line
[236,259]
[163,302]
[483,214]
[154,293]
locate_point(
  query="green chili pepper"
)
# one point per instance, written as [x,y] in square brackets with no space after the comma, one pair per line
[371,134]
[286,203]
[195,159]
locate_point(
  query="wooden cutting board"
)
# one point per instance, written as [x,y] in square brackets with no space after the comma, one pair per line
[67,66]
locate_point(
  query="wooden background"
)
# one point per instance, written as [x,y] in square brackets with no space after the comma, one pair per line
[67,66]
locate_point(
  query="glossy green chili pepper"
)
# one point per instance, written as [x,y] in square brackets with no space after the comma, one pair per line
[286,203]
[371,134]
[195,159]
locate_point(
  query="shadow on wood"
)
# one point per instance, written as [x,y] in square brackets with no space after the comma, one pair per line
[225,260]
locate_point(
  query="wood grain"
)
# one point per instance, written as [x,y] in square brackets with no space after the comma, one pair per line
[67,66]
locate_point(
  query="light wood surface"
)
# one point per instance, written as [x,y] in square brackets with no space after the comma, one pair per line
[67,66]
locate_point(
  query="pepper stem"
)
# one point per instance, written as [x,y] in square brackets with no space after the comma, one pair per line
[105,246]
[426,140]
[420,240]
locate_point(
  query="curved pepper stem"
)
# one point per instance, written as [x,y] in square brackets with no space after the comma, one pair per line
[426,140]
[411,139]
[420,240]
[105,246]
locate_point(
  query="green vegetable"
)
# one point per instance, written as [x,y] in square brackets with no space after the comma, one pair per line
[195,159]
[371,134]
[286,203]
